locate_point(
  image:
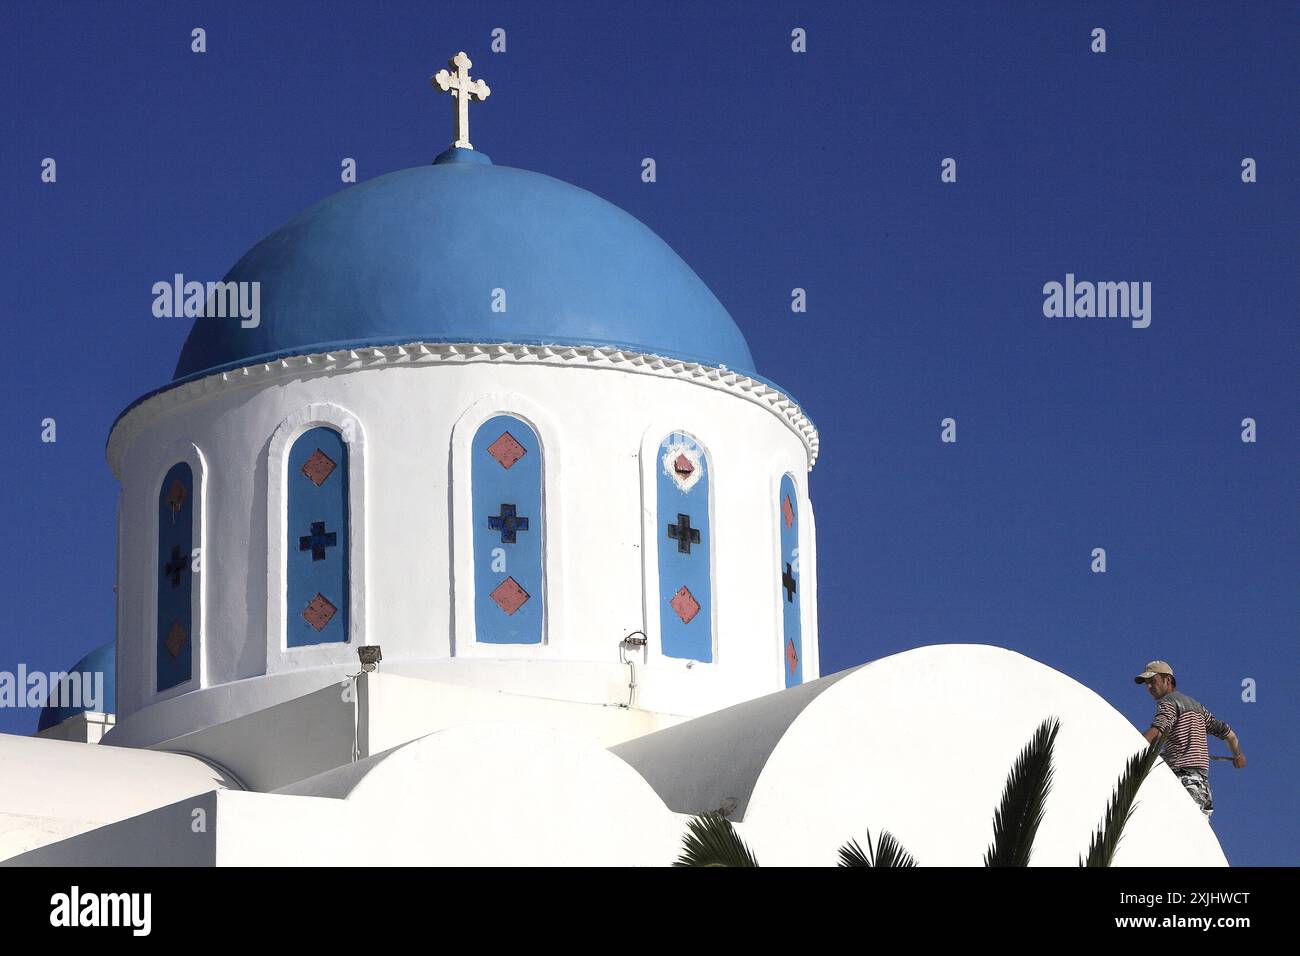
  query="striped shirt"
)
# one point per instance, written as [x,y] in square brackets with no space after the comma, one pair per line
[1184,722]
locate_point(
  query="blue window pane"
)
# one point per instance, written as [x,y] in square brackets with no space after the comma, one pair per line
[317,540]
[788,519]
[684,542]
[506,473]
[175,577]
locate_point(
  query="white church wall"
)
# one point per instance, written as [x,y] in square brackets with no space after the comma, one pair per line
[489,795]
[288,741]
[179,834]
[87,727]
[396,709]
[220,703]
[412,506]
[920,744]
[483,795]
[315,731]
[55,788]
[808,556]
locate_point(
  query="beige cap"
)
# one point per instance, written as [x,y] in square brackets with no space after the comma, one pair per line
[1151,670]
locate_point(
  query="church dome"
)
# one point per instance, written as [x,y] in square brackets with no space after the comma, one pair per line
[102,660]
[418,256]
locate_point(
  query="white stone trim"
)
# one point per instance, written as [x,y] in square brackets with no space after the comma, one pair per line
[808,565]
[174,453]
[279,656]
[598,357]
[464,641]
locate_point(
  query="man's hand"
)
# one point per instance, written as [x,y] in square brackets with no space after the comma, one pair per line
[1151,734]
[1239,760]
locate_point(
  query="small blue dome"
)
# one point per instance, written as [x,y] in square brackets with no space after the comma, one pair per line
[102,660]
[416,256]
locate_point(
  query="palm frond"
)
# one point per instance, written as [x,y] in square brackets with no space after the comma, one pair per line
[711,840]
[887,852]
[853,855]
[1016,821]
[1123,801]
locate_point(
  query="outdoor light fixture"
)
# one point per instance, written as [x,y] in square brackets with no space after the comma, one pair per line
[370,655]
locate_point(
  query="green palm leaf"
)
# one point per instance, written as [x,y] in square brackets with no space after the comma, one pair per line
[711,840]
[887,852]
[1016,821]
[1123,801]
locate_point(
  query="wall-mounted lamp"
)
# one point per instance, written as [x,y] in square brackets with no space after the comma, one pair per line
[370,655]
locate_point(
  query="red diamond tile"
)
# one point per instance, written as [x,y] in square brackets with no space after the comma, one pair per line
[317,468]
[685,605]
[176,639]
[509,595]
[683,466]
[506,450]
[319,611]
[791,656]
[176,495]
[787,511]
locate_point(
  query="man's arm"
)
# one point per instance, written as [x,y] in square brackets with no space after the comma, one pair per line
[1238,758]
[1216,727]
[1162,722]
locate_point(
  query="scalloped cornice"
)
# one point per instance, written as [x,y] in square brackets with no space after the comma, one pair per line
[141,415]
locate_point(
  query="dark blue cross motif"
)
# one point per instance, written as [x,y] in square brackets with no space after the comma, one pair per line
[683,533]
[318,541]
[507,522]
[789,583]
[173,568]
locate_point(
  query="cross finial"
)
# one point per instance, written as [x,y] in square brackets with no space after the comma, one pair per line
[462,88]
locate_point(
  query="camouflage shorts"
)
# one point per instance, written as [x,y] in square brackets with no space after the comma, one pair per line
[1197,785]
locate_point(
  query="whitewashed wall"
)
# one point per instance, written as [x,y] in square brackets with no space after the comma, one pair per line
[410,506]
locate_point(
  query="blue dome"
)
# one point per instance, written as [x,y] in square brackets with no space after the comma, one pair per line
[415,256]
[101,660]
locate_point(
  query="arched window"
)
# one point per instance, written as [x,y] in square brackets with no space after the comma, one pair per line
[788,521]
[684,543]
[175,650]
[317,540]
[506,477]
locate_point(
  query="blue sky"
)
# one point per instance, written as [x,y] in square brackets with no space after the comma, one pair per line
[776,170]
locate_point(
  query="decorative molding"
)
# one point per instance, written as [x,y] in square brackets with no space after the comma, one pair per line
[652,532]
[137,418]
[175,452]
[464,643]
[279,656]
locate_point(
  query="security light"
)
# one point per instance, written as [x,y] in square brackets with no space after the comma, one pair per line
[370,655]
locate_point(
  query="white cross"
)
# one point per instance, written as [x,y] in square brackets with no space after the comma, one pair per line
[462,88]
